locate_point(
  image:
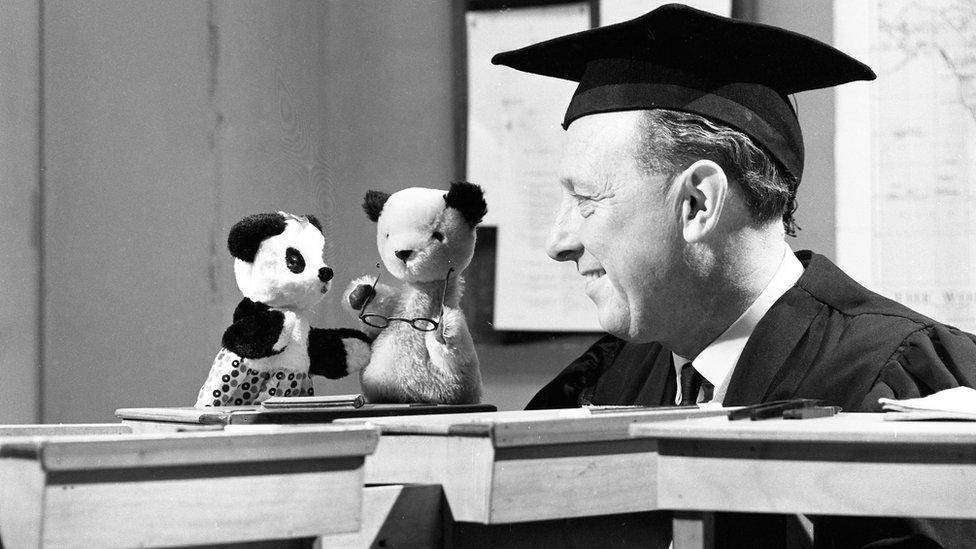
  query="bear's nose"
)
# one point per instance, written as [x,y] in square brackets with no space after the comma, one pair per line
[325,274]
[403,255]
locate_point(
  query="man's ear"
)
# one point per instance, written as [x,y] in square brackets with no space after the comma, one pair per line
[703,190]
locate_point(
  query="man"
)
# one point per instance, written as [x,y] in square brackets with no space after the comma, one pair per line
[679,183]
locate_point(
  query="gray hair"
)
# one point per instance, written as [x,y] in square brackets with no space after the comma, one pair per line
[669,141]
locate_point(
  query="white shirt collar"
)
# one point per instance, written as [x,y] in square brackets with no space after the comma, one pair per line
[717,361]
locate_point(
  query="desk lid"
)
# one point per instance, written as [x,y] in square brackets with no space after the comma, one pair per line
[235,415]
[537,427]
[87,452]
[844,427]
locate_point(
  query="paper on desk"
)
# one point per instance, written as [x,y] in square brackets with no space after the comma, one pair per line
[955,403]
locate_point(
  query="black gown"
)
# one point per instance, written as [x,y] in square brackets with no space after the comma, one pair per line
[827,338]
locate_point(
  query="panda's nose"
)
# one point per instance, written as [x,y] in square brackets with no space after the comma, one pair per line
[403,255]
[325,274]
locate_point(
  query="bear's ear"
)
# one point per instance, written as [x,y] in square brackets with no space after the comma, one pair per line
[247,234]
[314,221]
[373,204]
[468,199]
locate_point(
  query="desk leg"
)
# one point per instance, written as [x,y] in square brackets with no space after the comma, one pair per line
[395,515]
[694,530]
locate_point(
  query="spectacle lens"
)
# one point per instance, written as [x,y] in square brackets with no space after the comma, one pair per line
[376,321]
[424,324]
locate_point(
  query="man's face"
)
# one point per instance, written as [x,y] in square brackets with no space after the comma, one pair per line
[617,224]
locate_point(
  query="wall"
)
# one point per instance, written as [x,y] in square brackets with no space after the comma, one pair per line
[165,122]
[816,196]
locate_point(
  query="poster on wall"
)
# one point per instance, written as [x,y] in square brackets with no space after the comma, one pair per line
[615,11]
[514,142]
[514,145]
[906,154]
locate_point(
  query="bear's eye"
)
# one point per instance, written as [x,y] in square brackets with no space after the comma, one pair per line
[294,260]
[438,236]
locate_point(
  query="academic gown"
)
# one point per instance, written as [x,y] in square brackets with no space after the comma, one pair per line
[827,338]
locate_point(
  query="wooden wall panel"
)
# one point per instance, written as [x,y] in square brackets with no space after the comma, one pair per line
[130,306]
[19,195]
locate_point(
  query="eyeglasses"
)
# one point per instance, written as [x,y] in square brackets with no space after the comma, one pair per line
[420,324]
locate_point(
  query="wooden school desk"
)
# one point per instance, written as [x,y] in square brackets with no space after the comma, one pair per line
[526,470]
[849,464]
[199,488]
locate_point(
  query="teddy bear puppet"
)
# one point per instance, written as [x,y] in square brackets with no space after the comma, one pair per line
[422,349]
[271,349]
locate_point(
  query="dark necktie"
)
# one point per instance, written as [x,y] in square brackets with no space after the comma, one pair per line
[691,383]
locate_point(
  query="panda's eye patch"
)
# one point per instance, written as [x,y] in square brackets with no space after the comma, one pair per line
[438,236]
[294,260]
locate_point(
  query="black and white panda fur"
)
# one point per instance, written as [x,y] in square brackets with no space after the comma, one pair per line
[271,349]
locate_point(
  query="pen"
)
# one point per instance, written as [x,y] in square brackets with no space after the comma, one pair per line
[771,409]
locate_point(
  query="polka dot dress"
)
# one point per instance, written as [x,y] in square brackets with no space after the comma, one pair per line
[233,383]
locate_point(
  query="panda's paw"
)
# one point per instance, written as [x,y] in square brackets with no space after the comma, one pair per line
[358,296]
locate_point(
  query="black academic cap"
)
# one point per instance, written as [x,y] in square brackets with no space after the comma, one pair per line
[679,58]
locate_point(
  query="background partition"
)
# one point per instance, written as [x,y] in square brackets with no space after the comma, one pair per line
[134,134]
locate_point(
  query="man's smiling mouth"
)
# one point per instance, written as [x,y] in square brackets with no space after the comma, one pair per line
[593,274]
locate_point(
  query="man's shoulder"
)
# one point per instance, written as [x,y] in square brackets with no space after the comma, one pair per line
[830,338]
[610,372]
[827,284]
[849,323]
[579,377]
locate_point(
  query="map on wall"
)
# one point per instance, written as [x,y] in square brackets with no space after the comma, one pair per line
[906,154]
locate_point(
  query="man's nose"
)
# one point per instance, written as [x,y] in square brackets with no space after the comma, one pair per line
[564,243]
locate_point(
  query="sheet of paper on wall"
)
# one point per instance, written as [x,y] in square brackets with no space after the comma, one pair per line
[514,143]
[906,177]
[958,403]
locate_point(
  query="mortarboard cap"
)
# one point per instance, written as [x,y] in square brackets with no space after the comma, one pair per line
[679,58]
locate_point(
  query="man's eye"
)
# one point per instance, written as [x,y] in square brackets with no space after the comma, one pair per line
[583,205]
[294,260]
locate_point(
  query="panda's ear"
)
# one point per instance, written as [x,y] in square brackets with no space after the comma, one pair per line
[469,199]
[247,234]
[373,204]
[314,221]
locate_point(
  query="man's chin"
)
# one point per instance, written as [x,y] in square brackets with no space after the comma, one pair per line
[625,330]
[615,325]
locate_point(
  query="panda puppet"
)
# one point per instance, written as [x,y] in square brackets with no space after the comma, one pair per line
[271,349]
